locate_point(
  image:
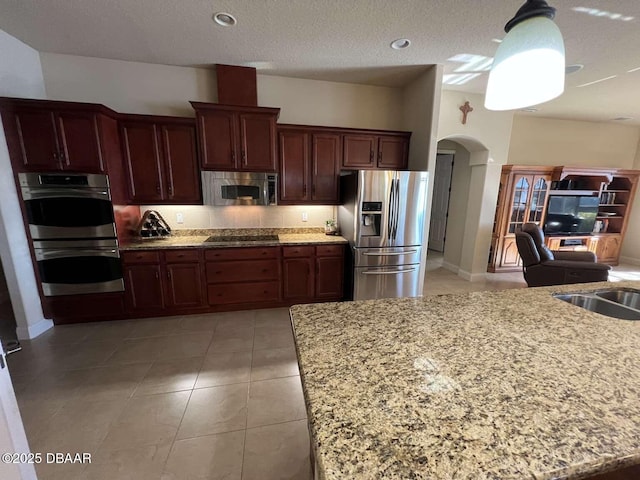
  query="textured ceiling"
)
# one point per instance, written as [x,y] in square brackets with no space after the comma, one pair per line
[340,40]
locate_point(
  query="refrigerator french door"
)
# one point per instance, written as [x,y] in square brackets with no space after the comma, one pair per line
[383,218]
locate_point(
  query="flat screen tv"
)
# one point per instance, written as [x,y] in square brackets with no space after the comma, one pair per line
[570,214]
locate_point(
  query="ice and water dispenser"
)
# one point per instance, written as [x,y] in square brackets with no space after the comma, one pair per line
[370,219]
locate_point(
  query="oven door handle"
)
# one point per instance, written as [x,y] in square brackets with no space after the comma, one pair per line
[47,254]
[41,193]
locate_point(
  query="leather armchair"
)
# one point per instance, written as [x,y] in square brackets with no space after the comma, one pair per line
[542,266]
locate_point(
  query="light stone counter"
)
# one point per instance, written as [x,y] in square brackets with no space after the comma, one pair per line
[198,241]
[487,385]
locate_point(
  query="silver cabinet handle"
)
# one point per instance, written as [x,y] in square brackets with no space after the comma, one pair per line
[388,254]
[47,254]
[387,272]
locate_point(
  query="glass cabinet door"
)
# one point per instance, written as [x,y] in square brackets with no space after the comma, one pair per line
[538,199]
[519,205]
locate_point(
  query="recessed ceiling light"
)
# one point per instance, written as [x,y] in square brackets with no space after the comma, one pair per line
[400,43]
[224,19]
[623,119]
[569,69]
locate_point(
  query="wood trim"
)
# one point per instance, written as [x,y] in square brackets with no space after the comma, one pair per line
[234,108]
[237,85]
[57,105]
[343,130]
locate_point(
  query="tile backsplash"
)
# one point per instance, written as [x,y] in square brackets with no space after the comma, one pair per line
[197,216]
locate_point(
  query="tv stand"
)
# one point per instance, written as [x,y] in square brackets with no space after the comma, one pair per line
[573,243]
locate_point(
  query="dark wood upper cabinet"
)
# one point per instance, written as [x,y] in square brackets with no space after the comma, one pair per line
[47,136]
[181,163]
[393,152]
[359,151]
[325,168]
[309,166]
[160,158]
[236,138]
[141,155]
[382,151]
[294,166]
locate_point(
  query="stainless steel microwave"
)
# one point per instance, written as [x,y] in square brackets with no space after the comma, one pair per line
[239,188]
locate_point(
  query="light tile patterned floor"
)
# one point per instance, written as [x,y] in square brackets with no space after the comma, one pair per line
[198,397]
[201,397]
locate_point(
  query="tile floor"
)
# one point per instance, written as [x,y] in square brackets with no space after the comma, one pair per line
[214,396]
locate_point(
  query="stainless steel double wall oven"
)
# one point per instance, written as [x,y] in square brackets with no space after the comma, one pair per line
[72,227]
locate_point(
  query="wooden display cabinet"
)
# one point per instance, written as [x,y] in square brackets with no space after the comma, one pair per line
[523,197]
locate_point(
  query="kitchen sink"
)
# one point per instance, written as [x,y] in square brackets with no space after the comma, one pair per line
[242,238]
[625,296]
[618,303]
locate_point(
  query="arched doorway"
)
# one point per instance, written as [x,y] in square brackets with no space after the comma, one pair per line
[470,206]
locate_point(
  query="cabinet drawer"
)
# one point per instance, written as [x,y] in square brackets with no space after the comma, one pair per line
[144,256]
[329,250]
[298,251]
[176,256]
[241,253]
[242,271]
[244,292]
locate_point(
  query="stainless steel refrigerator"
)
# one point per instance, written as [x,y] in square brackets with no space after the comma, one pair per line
[382,215]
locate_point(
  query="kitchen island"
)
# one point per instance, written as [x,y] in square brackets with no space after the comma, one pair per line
[488,385]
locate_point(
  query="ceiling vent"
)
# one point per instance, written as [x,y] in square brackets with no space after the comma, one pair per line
[237,85]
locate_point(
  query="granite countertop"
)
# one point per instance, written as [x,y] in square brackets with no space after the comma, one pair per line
[511,384]
[198,240]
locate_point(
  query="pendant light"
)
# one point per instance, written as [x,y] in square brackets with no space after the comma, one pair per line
[528,67]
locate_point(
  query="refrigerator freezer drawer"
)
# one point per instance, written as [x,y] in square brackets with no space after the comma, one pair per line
[380,257]
[386,282]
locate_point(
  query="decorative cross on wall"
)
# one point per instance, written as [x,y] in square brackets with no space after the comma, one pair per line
[465,109]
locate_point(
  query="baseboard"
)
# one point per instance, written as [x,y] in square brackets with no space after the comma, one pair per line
[471,277]
[32,331]
[630,260]
[450,267]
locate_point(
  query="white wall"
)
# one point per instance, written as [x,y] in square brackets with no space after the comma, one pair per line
[127,87]
[315,102]
[546,141]
[133,87]
[421,109]
[458,199]
[20,76]
[486,136]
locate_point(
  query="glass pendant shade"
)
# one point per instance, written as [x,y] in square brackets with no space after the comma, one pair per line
[528,68]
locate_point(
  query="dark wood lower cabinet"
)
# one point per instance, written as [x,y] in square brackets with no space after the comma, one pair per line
[161,282]
[298,278]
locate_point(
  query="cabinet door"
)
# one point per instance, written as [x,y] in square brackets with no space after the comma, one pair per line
[510,255]
[329,275]
[298,276]
[257,142]
[294,166]
[393,152]
[359,151]
[142,160]
[538,199]
[519,202]
[608,249]
[184,287]
[181,164]
[79,142]
[143,287]
[218,140]
[325,167]
[37,137]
